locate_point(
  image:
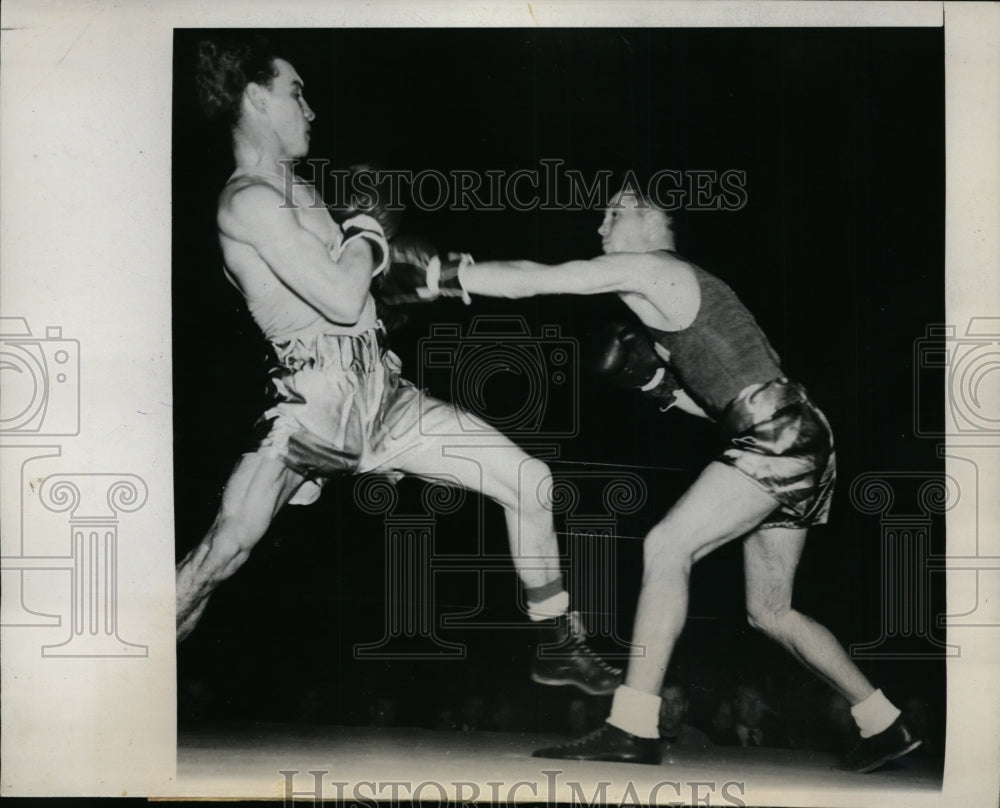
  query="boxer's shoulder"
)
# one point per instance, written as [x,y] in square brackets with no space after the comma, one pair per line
[659,272]
[244,206]
[664,289]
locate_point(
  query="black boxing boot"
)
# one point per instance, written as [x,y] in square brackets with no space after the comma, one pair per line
[894,741]
[607,743]
[562,657]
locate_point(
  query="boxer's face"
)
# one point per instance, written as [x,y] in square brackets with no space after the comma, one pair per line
[624,228]
[289,112]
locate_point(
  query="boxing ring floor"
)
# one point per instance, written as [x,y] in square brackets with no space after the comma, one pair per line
[246,760]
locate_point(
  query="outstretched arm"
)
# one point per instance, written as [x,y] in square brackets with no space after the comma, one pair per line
[620,272]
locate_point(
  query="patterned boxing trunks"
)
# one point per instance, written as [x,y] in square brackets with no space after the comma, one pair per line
[783,442]
[341,406]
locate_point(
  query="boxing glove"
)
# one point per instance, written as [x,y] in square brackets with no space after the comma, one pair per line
[417,274]
[364,191]
[624,356]
[366,227]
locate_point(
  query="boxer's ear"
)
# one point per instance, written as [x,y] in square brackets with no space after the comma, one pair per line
[256,95]
[656,222]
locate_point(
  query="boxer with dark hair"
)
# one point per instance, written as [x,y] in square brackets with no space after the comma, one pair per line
[703,351]
[340,405]
[224,69]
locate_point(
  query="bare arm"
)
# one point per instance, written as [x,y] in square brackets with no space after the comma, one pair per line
[336,289]
[621,272]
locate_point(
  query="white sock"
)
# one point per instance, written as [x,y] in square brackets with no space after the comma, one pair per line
[874,715]
[550,607]
[636,712]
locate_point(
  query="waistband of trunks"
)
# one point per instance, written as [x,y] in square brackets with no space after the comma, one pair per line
[759,402]
[360,352]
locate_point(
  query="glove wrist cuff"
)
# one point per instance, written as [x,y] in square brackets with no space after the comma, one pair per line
[653,383]
[368,228]
[450,277]
[463,265]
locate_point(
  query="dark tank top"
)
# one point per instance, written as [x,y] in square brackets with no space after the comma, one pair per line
[722,352]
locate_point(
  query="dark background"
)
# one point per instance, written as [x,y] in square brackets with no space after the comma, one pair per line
[838,252]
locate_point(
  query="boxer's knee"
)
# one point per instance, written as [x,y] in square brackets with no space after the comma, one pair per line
[524,488]
[768,617]
[535,488]
[662,553]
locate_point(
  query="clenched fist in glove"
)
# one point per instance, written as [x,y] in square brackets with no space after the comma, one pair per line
[418,274]
[367,228]
[367,190]
[367,210]
[625,357]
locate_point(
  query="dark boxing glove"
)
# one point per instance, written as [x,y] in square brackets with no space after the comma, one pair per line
[365,189]
[624,356]
[417,274]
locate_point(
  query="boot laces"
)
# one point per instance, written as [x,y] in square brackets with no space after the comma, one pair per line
[579,641]
[590,736]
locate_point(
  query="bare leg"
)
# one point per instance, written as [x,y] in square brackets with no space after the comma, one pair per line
[489,463]
[255,492]
[721,505]
[770,558]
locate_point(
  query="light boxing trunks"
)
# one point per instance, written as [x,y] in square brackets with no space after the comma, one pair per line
[341,407]
[783,442]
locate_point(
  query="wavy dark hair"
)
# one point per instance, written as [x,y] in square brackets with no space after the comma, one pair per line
[224,67]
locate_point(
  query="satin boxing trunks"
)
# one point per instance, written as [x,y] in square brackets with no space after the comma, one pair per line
[341,407]
[783,442]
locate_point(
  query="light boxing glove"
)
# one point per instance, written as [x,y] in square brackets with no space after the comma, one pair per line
[364,209]
[623,355]
[366,227]
[417,274]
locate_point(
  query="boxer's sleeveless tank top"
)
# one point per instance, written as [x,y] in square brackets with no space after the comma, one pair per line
[722,352]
